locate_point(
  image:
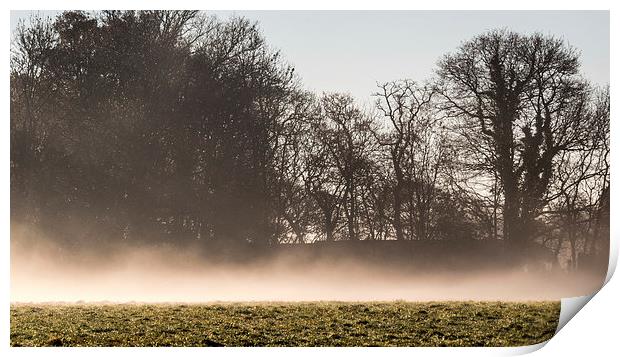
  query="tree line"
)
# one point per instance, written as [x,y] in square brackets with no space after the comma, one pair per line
[177,126]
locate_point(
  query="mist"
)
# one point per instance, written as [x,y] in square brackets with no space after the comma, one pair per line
[47,272]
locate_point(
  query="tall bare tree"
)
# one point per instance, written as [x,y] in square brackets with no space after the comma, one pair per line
[525,94]
[402,103]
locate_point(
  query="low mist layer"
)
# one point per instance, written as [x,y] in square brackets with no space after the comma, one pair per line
[47,273]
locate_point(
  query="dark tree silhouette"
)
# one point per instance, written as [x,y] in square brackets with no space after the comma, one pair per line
[526,95]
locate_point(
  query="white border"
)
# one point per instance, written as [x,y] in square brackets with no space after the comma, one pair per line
[320,5]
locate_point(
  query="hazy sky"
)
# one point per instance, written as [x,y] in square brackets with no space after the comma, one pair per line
[352,50]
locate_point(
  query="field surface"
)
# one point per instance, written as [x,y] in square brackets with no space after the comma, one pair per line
[285,324]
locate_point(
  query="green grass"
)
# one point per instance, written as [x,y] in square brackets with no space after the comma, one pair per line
[285,324]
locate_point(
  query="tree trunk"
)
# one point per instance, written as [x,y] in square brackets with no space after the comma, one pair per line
[398,225]
[351,215]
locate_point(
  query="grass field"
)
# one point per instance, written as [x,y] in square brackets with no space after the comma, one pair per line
[285,324]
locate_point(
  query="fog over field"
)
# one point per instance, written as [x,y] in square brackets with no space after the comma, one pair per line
[45,273]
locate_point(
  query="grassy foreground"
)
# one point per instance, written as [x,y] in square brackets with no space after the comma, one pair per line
[285,324]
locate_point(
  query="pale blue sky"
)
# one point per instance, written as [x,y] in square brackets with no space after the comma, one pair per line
[351,50]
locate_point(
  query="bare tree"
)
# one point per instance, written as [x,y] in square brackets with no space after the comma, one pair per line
[288,181]
[413,138]
[345,135]
[525,94]
[581,182]
[401,102]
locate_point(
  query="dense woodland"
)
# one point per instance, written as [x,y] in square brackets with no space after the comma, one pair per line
[179,127]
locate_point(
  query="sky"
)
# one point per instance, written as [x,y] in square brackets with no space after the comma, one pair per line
[350,51]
